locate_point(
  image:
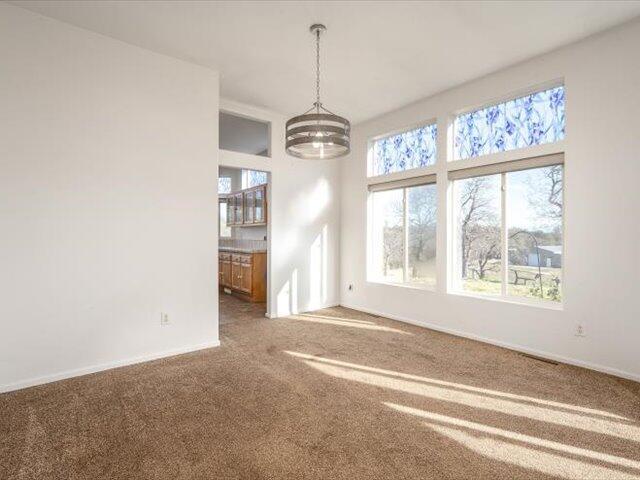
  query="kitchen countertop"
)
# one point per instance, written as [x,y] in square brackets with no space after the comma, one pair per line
[242,250]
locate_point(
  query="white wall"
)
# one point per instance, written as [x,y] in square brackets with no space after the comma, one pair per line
[602,207]
[108,186]
[304,221]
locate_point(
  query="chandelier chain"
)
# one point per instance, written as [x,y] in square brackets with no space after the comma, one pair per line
[318,70]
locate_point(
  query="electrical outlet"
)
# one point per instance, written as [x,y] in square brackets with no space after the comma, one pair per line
[350,288]
[164,319]
[580,330]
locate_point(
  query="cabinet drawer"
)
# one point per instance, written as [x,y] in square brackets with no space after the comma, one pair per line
[224,257]
[241,258]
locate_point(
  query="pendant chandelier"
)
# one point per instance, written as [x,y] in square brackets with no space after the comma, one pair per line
[318,133]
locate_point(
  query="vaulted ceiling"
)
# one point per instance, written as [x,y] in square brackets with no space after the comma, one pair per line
[377,56]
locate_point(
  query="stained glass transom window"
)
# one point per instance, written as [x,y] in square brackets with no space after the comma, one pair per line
[405,151]
[253,178]
[224,185]
[532,120]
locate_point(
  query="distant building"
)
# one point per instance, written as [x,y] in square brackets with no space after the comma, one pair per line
[550,256]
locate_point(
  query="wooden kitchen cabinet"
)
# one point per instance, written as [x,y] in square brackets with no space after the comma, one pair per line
[236,275]
[224,268]
[231,211]
[247,207]
[238,206]
[245,274]
[260,205]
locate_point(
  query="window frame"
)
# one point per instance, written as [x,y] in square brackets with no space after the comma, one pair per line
[443,166]
[404,185]
[454,283]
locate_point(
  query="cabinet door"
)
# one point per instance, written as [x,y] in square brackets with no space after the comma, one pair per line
[236,275]
[249,206]
[260,205]
[231,212]
[245,278]
[239,208]
[225,273]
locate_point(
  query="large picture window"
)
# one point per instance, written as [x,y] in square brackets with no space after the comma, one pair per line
[530,120]
[404,151]
[508,223]
[403,235]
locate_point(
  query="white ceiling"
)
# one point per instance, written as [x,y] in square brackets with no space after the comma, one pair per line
[377,56]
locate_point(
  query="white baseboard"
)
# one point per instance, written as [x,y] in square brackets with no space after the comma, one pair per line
[105,366]
[519,348]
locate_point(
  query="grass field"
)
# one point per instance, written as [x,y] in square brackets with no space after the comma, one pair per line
[490,285]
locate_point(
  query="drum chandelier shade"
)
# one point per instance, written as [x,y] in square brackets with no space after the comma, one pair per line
[318,133]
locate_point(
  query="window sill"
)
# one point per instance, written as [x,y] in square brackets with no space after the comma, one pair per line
[410,286]
[548,305]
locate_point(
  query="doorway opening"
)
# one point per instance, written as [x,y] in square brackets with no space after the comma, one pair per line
[243,244]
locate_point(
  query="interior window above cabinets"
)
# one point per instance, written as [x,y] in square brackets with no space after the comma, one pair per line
[408,150]
[244,135]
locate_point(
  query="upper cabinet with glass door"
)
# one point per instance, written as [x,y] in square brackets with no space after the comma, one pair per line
[247,207]
[260,215]
[255,205]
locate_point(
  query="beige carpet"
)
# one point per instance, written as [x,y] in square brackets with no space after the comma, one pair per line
[333,395]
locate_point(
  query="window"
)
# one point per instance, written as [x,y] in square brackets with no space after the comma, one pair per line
[224,185]
[478,205]
[253,178]
[534,221]
[404,151]
[225,230]
[403,234]
[508,229]
[388,235]
[531,120]
[244,135]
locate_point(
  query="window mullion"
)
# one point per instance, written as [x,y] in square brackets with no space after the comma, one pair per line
[504,234]
[405,227]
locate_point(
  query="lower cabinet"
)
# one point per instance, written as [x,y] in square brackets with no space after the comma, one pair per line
[224,269]
[245,274]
